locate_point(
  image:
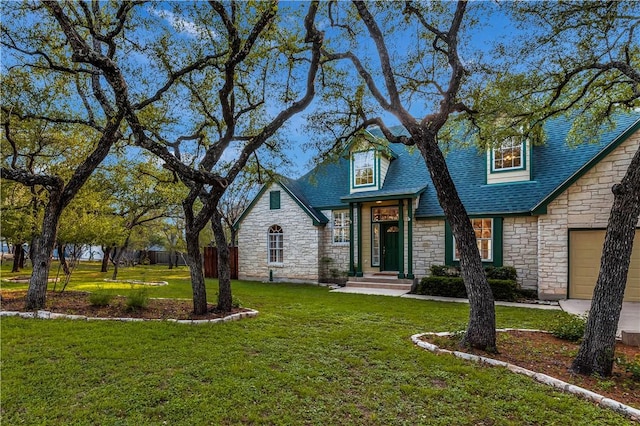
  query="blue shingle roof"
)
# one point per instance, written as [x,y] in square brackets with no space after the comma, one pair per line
[553,164]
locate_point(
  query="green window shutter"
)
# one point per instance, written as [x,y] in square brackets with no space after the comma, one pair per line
[274,200]
[448,244]
[497,241]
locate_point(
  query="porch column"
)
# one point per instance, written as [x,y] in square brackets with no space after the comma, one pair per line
[401,239]
[359,266]
[410,239]
[352,271]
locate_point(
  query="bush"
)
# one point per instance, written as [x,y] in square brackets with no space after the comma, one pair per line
[235,302]
[630,366]
[444,271]
[138,299]
[501,273]
[442,286]
[506,290]
[454,287]
[527,293]
[100,299]
[569,327]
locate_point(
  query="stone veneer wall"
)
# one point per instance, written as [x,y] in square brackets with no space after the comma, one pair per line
[428,245]
[334,256]
[301,241]
[585,204]
[520,248]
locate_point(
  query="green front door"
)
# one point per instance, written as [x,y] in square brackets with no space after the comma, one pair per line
[390,238]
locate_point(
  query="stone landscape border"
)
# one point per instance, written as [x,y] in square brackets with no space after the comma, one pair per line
[138,282]
[632,413]
[249,313]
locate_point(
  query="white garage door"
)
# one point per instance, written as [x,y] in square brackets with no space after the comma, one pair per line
[585,250]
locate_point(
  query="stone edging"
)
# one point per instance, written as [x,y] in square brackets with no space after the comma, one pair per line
[139,282]
[632,413]
[52,315]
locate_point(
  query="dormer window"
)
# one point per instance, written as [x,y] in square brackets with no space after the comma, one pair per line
[363,168]
[509,155]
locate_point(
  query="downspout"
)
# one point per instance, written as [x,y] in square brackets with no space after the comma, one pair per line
[352,271]
[410,239]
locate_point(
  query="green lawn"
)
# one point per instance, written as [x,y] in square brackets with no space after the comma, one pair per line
[310,357]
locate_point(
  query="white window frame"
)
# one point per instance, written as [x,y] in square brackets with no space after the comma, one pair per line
[375,244]
[501,154]
[275,245]
[480,239]
[363,161]
[340,227]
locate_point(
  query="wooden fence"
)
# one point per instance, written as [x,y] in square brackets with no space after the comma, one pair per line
[211,262]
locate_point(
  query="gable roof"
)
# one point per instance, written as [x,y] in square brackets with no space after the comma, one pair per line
[293,190]
[555,166]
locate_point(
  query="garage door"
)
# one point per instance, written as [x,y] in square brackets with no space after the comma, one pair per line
[585,250]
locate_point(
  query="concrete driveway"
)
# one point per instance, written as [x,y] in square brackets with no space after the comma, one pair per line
[629,317]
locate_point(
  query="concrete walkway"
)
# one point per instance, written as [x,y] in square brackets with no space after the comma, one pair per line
[629,317]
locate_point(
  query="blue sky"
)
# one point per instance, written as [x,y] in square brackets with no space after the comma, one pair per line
[495,27]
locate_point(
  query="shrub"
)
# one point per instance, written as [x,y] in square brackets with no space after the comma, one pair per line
[630,366]
[569,327]
[506,290]
[527,293]
[454,287]
[235,302]
[501,273]
[442,286]
[444,271]
[100,299]
[138,299]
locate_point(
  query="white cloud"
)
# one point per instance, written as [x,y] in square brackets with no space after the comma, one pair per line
[179,23]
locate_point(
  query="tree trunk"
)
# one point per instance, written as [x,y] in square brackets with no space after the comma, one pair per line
[225,298]
[171,256]
[42,250]
[481,330]
[18,257]
[63,259]
[105,258]
[116,263]
[118,256]
[196,271]
[596,352]
[233,236]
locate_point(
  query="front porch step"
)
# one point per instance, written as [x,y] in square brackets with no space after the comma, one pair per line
[388,281]
[387,286]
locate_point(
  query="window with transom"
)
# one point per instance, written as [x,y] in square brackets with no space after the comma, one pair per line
[275,245]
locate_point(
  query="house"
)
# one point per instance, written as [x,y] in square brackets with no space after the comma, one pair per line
[374,216]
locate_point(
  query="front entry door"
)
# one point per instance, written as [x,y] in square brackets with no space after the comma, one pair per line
[390,237]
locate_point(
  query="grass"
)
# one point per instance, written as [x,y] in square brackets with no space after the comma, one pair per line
[310,357]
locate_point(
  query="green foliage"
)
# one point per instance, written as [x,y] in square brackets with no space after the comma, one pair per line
[445,271]
[235,302]
[630,365]
[526,293]
[569,327]
[492,272]
[100,299]
[506,290]
[501,273]
[137,299]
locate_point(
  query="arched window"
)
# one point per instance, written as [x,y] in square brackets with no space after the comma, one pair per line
[275,244]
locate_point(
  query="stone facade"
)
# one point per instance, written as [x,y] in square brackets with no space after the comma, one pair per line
[334,261]
[520,248]
[302,241]
[428,243]
[585,204]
